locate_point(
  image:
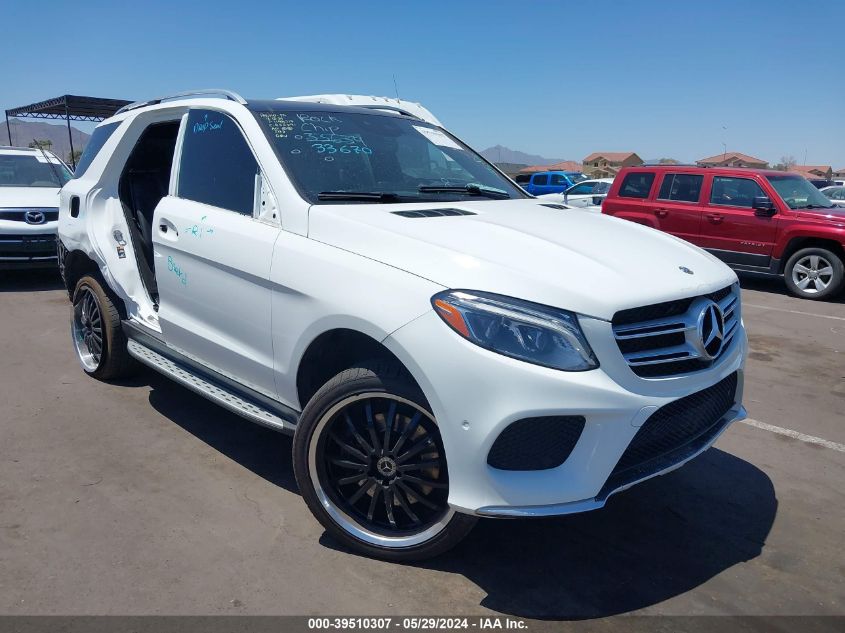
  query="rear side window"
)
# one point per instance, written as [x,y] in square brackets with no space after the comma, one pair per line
[541,179]
[734,192]
[217,165]
[636,185]
[681,187]
[523,178]
[101,134]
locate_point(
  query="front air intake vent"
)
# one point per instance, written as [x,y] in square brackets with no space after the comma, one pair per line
[536,443]
[552,205]
[432,213]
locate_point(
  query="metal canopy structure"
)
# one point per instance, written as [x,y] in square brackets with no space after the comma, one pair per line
[70,108]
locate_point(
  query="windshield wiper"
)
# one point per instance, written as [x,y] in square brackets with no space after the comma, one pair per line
[360,196]
[471,188]
[816,206]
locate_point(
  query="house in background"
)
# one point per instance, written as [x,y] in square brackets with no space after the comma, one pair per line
[732,159]
[824,172]
[608,164]
[567,165]
[839,173]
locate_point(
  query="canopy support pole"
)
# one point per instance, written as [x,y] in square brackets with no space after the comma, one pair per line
[70,136]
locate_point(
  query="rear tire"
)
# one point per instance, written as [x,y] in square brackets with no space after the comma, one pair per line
[97,333]
[379,491]
[814,273]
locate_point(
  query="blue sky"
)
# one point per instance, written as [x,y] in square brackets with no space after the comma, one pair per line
[561,79]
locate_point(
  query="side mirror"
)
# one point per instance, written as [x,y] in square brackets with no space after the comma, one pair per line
[763,207]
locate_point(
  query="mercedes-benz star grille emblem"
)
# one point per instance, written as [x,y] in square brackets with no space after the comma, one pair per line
[711,330]
[34,217]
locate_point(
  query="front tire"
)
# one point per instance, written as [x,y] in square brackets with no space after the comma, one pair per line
[370,465]
[97,333]
[814,273]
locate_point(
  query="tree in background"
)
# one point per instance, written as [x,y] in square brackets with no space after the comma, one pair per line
[786,163]
[45,144]
[74,156]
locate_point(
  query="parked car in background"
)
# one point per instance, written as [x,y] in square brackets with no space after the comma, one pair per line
[760,221]
[544,182]
[441,350]
[835,194]
[30,180]
[587,193]
[821,183]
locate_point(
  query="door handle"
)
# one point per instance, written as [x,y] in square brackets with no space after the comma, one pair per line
[661,213]
[167,228]
[715,218]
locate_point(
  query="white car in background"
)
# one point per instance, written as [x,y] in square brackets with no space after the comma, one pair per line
[30,180]
[836,194]
[587,193]
[442,345]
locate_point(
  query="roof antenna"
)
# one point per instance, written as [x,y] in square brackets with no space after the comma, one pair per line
[395,87]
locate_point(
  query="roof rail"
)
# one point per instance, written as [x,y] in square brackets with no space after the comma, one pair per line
[228,94]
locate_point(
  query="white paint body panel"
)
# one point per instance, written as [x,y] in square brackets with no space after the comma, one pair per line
[257,293]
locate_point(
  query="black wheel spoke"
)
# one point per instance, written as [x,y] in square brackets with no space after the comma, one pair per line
[348,449]
[343,481]
[373,502]
[415,449]
[362,491]
[358,437]
[345,463]
[423,482]
[409,430]
[416,496]
[371,426]
[418,466]
[388,424]
[388,506]
[397,493]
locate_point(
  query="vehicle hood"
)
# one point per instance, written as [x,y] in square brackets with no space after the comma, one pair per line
[29,197]
[588,263]
[836,214]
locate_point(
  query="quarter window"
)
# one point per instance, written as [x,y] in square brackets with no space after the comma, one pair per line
[217,166]
[734,192]
[541,180]
[101,134]
[637,184]
[681,187]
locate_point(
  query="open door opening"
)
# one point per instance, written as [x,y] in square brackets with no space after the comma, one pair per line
[144,182]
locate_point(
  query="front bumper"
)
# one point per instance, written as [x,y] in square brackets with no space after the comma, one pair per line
[475,394]
[26,246]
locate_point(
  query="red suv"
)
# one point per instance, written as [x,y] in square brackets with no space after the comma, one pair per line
[755,220]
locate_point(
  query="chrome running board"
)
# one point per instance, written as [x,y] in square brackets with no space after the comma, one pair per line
[218,394]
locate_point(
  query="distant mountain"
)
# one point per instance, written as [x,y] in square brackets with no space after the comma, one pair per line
[24,132]
[502,154]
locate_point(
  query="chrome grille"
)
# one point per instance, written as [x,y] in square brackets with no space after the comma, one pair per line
[667,341]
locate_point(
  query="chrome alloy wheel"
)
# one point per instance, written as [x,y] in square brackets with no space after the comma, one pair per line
[378,467]
[812,274]
[87,329]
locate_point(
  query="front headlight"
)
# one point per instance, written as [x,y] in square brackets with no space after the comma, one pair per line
[519,329]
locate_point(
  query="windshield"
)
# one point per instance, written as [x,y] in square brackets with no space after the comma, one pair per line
[577,177]
[27,170]
[799,193]
[386,157]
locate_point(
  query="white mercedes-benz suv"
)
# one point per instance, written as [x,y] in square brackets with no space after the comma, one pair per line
[442,345]
[30,180]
